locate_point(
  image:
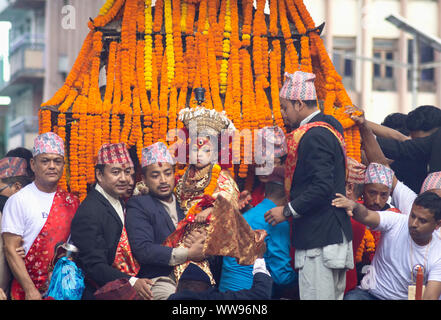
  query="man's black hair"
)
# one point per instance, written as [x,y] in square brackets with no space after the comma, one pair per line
[430,201]
[192,285]
[396,121]
[311,103]
[100,168]
[23,180]
[424,118]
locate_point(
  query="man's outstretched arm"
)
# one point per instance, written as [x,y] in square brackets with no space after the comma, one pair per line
[358,211]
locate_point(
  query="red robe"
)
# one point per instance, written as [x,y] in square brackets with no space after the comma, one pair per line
[55,230]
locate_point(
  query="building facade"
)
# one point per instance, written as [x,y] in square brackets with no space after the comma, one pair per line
[44,40]
[375,58]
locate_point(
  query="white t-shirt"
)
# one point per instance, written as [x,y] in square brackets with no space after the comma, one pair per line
[26,212]
[390,272]
[403,198]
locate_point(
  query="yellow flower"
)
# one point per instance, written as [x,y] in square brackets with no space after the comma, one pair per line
[148,49]
[169,41]
[106,7]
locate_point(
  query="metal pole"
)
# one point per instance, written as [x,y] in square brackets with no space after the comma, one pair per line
[415,64]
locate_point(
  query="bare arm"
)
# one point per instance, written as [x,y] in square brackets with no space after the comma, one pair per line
[17,266]
[371,147]
[358,211]
[385,132]
[432,291]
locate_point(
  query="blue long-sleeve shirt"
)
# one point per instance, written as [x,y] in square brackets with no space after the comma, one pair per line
[236,277]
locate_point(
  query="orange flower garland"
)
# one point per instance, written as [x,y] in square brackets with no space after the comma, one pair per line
[273,18]
[247,7]
[367,245]
[46,123]
[73,75]
[62,134]
[73,158]
[177,43]
[148,45]
[148,79]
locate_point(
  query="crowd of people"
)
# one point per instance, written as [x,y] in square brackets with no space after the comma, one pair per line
[320,225]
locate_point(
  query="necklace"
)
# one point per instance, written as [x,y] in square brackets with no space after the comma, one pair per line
[191,185]
[426,254]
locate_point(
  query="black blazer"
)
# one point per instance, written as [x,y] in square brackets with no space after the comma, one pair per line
[148,224]
[320,174]
[425,150]
[96,230]
[261,290]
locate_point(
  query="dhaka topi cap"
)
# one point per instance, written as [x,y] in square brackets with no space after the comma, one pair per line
[48,142]
[378,173]
[12,167]
[273,136]
[432,181]
[114,153]
[299,86]
[356,171]
[156,153]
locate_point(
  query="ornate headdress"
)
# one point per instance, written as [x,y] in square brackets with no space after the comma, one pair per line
[210,122]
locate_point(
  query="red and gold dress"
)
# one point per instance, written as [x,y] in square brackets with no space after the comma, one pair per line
[196,191]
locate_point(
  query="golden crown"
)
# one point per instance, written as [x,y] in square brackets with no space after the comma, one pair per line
[207,121]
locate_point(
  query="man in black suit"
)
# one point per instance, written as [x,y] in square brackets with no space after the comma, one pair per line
[152,217]
[98,231]
[321,234]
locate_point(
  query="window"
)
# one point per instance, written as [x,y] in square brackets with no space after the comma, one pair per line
[385,50]
[426,76]
[344,60]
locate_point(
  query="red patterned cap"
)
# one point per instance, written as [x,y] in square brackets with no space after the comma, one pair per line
[432,181]
[12,167]
[111,153]
[356,171]
[299,86]
[379,173]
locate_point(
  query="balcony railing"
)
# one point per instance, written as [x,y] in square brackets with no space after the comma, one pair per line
[26,38]
[26,58]
[22,125]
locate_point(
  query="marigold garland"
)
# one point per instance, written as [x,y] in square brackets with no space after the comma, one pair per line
[367,245]
[148,78]
[148,49]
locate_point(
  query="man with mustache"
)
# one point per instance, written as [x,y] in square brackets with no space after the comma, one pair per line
[152,217]
[377,187]
[98,228]
[38,216]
